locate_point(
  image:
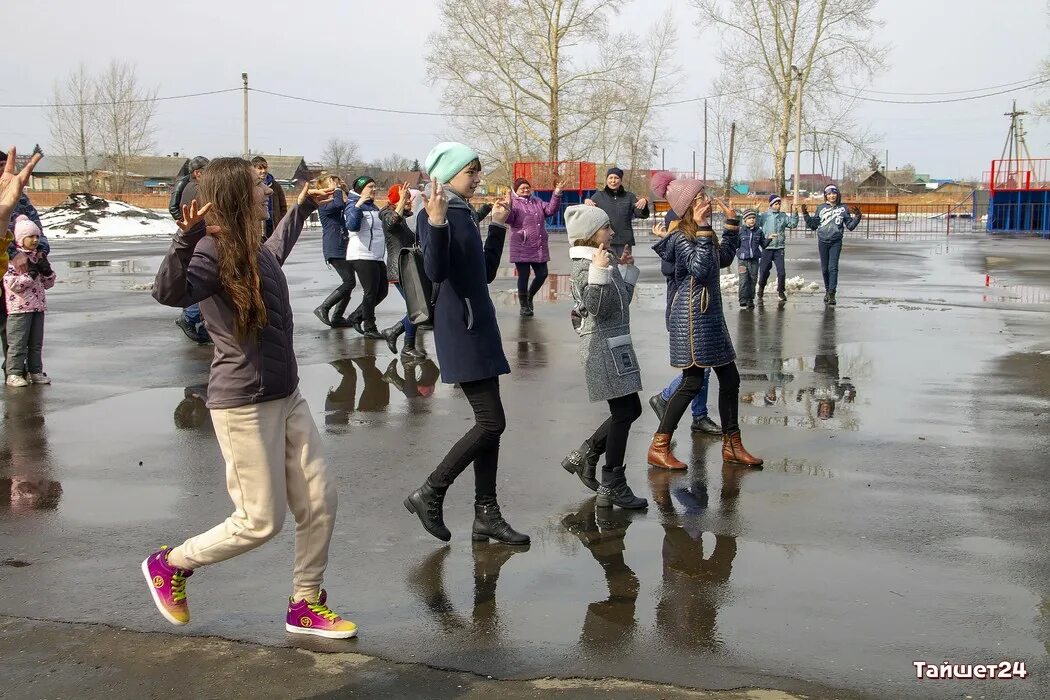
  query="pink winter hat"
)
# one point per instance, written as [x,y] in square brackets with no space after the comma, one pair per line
[24,226]
[678,193]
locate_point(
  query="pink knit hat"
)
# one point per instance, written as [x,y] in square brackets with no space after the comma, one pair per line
[24,226]
[678,193]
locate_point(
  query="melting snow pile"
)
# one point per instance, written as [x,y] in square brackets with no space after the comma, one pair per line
[796,284]
[87,216]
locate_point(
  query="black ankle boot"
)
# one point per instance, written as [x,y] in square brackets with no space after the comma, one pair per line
[392,334]
[369,330]
[831,299]
[489,524]
[322,311]
[410,353]
[426,502]
[583,463]
[336,315]
[618,493]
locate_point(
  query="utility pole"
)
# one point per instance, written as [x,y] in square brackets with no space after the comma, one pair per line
[813,156]
[694,164]
[705,142]
[798,134]
[663,165]
[729,170]
[244,79]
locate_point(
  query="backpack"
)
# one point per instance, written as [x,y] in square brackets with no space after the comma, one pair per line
[420,292]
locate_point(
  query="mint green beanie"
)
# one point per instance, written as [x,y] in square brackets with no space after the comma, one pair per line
[446,159]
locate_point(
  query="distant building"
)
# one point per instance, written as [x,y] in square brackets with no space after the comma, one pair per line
[876,184]
[64,174]
[812,182]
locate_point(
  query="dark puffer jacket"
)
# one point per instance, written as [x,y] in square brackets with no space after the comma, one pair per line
[333,228]
[699,336]
[398,236]
[247,371]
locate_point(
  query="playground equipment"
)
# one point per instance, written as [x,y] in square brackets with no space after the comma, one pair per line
[1019,199]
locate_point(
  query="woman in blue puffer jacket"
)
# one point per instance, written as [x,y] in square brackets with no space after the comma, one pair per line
[333,248]
[699,336]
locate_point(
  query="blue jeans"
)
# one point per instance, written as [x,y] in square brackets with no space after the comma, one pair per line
[192,315]
[699,401]
[829,263]
[410,330]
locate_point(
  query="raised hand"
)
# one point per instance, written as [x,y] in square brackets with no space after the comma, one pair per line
[659,230]
[437,204]
[191,215]
[627,258]
[12,183]
[641,203]
[319,197]
[602,257]
[501,210]
[557,188]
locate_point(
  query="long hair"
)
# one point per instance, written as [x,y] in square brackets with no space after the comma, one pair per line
[228,184]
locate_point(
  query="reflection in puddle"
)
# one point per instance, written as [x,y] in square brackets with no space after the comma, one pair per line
[1001,292]
[119,266]
[418,381]
[27,456]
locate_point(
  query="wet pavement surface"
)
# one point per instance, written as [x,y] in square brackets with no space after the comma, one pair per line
[902,514]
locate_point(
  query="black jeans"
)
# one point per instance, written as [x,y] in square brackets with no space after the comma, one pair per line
[374,287]
[525,291]
[769,258]
[345,270]
[728,398]
[25,343]
[611,436]
[481,443]
[829,263]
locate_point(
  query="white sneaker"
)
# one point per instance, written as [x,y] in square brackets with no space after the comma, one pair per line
[41,378]
[16,380]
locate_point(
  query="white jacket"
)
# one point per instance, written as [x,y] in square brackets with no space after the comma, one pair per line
[368,242]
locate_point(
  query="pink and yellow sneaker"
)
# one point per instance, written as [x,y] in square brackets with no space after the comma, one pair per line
[317,619]
[167,585]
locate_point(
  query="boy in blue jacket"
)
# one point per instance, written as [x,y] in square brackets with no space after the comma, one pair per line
[749,255]
[774,225]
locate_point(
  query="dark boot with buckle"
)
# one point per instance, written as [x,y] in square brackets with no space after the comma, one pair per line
[733,451]
[322,311]
[583,463]
[426,502]
[489,524]
[392,334]
[615,492]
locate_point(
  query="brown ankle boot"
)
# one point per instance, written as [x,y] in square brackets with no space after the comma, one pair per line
[660,453]
[733,451]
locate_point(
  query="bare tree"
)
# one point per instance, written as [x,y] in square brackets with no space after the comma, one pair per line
[73,121]
[393,163]
[126,110]
[338,157]
[831,42]
[531,77]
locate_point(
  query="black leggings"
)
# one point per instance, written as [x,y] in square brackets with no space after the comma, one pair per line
[481,443]
[374,287]
[525,291]
[345,270]
[728,398]
[611,436]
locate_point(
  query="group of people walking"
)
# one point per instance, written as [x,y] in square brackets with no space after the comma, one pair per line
[266,432]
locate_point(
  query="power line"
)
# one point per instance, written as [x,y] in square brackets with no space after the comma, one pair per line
[122,102]
[952,92]
[384,110]
[940,102]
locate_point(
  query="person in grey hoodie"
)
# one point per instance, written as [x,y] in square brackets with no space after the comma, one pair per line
[266,431]
[775,224]
[602,289]
[830,222]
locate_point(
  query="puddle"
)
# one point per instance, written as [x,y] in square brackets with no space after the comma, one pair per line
[135,266]
[365,385]
[1003,292]
[16,563]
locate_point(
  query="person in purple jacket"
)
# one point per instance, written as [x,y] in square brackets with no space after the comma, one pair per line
[529,249]
[267,434]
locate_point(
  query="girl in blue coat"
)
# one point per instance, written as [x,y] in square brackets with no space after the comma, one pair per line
[333,248]
[699,336]
[466,335]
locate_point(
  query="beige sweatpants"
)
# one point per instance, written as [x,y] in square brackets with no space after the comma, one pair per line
[273,464]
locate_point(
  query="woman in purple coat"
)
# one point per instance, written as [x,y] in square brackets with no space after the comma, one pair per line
[529,250]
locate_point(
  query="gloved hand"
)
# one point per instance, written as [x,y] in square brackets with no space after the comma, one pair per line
[43,265]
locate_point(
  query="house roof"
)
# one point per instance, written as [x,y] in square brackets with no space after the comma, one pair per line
[61,165]
[284,167]
[150,167]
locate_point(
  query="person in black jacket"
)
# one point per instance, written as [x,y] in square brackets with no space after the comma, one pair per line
[467,337]
[398,235]
[185,191]
[623,208]
[334,238]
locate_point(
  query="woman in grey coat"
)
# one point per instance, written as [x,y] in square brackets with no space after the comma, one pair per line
[602,289]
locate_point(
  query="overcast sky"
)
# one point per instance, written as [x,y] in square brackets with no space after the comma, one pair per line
[373,54]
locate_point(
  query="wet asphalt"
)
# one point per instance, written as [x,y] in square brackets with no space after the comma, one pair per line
[902,513]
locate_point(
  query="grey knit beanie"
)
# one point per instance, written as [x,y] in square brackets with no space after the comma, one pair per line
[582,221]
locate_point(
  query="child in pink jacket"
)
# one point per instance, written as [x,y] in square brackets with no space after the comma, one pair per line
[26,300]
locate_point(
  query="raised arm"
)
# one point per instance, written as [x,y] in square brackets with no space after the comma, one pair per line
[812,222]
[551,208]
[494,249]
[186,276]
[352,215]
[287,232]
[727,248]
[854,218]
[434,239]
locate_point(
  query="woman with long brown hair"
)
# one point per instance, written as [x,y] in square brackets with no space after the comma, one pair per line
[267,435]
[699,336]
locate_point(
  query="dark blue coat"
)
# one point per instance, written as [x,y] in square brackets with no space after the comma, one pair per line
[699,336]
[752,241]
[333,228]
[466,334]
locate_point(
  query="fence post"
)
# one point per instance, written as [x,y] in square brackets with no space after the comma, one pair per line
[948,221]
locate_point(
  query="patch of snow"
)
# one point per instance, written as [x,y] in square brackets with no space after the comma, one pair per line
[792,285]
[87,216]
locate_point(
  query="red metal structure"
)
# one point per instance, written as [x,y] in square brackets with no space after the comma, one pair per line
[1025,174]
[574,175]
